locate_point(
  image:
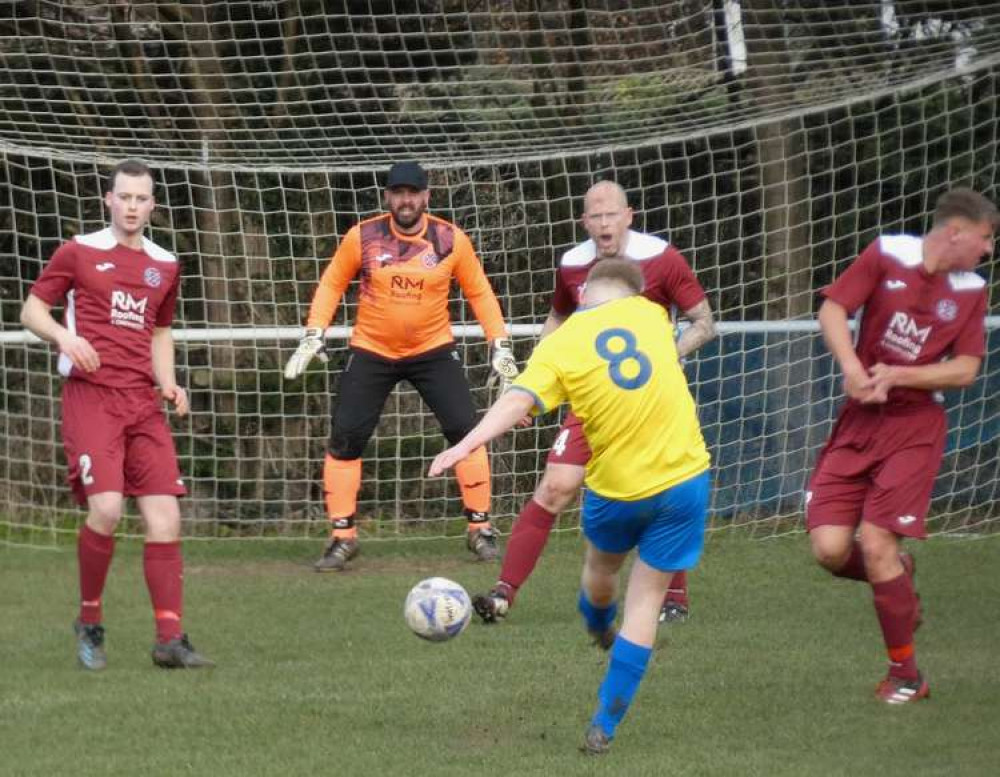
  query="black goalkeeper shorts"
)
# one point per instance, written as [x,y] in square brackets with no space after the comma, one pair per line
[438,376]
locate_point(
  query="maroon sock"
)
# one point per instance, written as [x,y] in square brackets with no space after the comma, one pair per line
[93,553]
[895,605]
[678,591]
[524,547]
[854,567]
[164,570]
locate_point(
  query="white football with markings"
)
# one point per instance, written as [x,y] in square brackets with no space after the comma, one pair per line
[437,609]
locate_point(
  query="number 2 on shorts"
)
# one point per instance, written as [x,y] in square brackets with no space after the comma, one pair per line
[85,465]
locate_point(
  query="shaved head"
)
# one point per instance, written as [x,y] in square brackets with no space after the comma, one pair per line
[607,192]
[607,218]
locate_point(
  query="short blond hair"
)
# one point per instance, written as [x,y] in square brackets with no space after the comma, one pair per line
[620,272]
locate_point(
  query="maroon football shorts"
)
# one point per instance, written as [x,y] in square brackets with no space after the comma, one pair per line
[879,466]
[117,440]
[570,445]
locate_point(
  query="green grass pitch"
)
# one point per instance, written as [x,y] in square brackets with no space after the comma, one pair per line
[773,675]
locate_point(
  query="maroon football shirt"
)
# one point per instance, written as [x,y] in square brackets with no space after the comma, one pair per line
[911,317]
[669,280]
[115,297]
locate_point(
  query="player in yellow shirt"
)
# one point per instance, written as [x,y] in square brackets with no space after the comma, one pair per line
[647,482]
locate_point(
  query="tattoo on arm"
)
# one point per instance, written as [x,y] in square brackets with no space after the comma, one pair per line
[700,331]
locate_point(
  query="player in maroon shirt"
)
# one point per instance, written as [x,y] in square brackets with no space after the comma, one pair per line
[922,331]
[115,348]
[670,282]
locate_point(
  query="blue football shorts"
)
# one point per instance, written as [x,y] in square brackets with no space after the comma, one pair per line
[668,527]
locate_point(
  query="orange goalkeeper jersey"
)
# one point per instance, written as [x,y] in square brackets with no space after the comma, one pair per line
[405,282]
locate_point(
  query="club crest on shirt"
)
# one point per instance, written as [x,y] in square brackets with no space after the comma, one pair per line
[152,277]
[947,309]
[430,260]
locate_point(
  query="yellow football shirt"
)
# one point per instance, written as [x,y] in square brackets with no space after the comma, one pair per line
[617,365]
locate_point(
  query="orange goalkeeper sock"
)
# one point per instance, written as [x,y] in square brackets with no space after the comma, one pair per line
[341,483]
[473,475]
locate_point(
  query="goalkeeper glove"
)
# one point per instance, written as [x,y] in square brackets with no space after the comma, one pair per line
[310,345]
[503,365]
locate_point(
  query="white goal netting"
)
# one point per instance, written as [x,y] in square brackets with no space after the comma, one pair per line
[769,141]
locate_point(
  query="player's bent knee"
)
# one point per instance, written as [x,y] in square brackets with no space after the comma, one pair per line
[162,516]
[104,512]
[163,532]
[881,554]
[103,523]
[600,585]
[830,555]
[558,487]
[831,562]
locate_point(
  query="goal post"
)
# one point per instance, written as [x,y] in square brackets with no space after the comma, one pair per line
[768,145]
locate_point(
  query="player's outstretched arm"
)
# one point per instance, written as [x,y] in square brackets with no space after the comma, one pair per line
[503,415]
[312,345]
[36,317]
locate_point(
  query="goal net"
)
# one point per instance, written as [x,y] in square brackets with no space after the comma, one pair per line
[769,141]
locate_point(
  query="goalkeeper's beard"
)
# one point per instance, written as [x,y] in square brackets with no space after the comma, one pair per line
[409,221]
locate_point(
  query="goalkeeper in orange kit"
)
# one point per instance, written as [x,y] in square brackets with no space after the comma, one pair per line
[406,260]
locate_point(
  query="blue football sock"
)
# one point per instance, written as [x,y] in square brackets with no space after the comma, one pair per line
[625,672]
[596,618]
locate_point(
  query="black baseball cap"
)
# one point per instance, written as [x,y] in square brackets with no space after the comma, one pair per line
[407,174]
